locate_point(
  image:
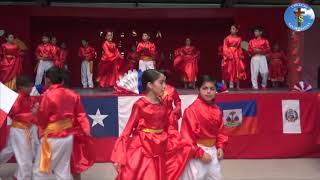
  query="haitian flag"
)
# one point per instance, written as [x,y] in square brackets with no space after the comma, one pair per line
[240,117]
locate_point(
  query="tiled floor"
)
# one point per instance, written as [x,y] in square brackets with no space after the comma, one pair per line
[271,169]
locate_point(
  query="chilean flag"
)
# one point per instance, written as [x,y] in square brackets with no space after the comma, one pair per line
[7,99]
[102,113]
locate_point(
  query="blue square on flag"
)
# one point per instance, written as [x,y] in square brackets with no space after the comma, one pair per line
[102,113]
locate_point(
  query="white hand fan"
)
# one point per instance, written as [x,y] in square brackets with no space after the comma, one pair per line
[302,86]
[130,81]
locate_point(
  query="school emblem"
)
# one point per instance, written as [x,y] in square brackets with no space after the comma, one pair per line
[299,17]
[232,117]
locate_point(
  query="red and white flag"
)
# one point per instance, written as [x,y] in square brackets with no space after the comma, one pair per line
[7,99]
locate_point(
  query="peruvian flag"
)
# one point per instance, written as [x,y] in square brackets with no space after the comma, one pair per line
[7,99]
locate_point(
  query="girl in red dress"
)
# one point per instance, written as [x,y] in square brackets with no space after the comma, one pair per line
[202,125]
[108,69]
[277,66]
[10,62]
[142,150]
[233,68]
[186,63]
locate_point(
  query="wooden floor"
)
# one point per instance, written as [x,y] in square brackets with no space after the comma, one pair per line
[271,169]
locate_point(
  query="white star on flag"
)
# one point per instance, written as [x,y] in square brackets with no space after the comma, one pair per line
[98,118]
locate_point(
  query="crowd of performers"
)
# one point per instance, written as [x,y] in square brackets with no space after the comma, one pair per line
[269,63]
[50,133]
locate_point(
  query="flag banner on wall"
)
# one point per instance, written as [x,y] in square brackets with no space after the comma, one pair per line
[291,117]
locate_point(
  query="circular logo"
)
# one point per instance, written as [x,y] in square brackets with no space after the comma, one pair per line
[291,115]
[299,17]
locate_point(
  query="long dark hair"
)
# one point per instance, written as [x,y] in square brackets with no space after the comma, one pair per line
[55,75]
[259,28]
[24,81]
[237,26]
[203,79]
[151,76]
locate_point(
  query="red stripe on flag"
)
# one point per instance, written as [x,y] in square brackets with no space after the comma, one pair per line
[3,116]
[102,148]
[4,133]
[248,126]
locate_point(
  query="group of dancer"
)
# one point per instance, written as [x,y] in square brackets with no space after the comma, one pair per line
[270,64]
[111,66]
[50,133]
[152,147]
